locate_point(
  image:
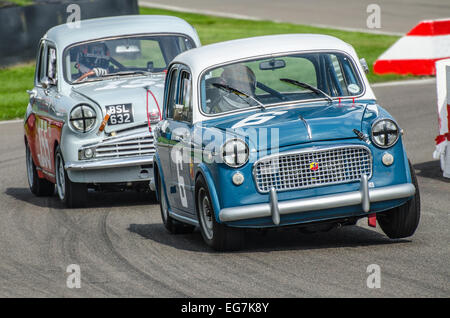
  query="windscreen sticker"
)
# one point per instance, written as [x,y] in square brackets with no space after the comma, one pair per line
[353,88]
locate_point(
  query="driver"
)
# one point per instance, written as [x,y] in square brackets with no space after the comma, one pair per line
[240,77]
[92,59]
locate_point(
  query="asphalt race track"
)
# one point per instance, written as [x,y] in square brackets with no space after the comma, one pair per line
[124,250]
[397,16]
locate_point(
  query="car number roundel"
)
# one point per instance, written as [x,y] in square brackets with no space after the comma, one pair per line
[258,119]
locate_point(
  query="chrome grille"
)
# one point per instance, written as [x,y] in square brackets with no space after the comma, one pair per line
[312,167]
[138,143]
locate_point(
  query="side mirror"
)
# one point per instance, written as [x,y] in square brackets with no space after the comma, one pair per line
[178,112]
[364,65]
[47,82]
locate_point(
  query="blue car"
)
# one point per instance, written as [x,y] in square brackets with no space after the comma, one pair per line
[278,131]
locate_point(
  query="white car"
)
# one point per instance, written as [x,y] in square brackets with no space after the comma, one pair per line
[96,88]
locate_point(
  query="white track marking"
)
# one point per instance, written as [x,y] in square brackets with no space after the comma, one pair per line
[424,81]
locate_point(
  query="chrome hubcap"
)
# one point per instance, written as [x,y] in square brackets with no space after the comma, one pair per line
[206,215]
[60,178]
[29,160]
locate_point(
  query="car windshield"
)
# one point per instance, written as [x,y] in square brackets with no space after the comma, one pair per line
[129,55]
[281,79]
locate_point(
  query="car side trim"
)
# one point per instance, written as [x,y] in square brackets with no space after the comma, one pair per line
[364,197]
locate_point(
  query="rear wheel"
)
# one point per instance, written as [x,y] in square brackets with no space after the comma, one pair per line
[39,187]
[402,221]
[173,226]
[72,194]
[216,235]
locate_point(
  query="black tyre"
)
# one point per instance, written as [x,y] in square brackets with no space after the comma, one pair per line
[173,226]
[402,221]
[72,194]
[39,187]
[218,236]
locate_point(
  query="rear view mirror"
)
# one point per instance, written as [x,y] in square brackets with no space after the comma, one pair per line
[127,49]
[272,65]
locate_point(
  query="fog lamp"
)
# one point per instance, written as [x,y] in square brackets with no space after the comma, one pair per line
[387,159]
[238,178]
[88,153]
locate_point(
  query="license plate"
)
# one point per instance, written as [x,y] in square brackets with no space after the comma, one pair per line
[120,114]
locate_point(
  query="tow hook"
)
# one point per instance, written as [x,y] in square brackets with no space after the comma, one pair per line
[372,220]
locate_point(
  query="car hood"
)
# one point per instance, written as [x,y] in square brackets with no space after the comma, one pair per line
[125,91]
[296,124]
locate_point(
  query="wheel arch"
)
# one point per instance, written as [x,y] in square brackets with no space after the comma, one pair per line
[204,172]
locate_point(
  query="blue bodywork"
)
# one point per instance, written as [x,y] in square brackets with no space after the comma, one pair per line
[331,124]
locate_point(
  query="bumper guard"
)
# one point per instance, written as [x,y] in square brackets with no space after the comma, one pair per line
[274,208]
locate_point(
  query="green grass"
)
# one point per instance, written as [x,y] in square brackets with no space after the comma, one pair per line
[21,2]
[15,81]
[13,85]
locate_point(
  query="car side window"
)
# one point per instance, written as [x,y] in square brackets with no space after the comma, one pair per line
[51,64]
[40,67]
[342,74]
[172,96]
[183,110]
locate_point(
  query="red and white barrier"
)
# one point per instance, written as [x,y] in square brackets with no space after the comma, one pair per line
[442,151]
[417,52]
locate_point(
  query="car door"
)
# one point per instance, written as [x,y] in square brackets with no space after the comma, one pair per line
[175,132]
[164,134]
[43,105]
[182,143]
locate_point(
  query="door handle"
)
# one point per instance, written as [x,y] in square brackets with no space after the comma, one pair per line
[180,136]
[52,108]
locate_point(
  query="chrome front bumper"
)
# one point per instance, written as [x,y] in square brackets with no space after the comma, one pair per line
[109,163]
[274,209]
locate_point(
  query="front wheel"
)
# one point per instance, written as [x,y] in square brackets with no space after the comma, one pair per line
[218,236]
[402,221]
[39,187]
[72,194]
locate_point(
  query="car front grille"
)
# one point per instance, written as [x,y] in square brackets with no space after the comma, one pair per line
[312,167]
[130,145]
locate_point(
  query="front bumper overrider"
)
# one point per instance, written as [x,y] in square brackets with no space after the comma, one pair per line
[364,197]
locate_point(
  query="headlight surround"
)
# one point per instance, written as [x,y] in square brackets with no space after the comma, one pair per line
[385,133]
[235,152]
[83,118]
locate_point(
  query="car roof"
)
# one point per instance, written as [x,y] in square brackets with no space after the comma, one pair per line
[90,29]
[218,53]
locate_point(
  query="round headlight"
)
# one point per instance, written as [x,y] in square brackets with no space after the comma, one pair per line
[385,133]
[82,118]
[235,153]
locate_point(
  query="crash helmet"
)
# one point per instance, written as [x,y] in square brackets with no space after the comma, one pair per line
[240,77]
[93,55]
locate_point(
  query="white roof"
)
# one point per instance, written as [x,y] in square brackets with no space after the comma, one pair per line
[90,29]
[206,56]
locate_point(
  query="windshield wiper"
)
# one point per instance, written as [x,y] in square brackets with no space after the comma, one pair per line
[126,73]
[239,93]
[307,86]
